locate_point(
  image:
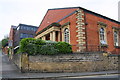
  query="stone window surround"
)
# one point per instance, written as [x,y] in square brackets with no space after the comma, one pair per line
[118,30]
[66,35]
[63,29]
[102,25]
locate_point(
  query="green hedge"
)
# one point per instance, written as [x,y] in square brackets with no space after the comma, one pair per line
[48,50]
[63,47]
[30,45]
[37,46]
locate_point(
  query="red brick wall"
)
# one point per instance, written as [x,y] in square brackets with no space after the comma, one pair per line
[72,19]
[11,34]
[93,34]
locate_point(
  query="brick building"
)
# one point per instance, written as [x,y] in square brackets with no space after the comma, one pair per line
[85,30]
[11,35]
[19,32]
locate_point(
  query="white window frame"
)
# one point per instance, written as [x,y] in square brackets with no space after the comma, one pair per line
[103,37]
[116,38]
[66,35]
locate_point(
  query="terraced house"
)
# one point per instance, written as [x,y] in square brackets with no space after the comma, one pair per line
[85,30]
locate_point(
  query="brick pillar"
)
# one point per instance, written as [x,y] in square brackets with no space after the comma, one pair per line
[81,31]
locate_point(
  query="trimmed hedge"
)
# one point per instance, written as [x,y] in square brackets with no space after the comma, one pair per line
[37,46]
[30,45]
[63,47]
[48,50]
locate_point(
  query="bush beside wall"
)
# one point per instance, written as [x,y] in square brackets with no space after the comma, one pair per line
[63,47]
[37,46]
[30,45]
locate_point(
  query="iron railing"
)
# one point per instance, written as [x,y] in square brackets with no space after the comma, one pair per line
[90,48]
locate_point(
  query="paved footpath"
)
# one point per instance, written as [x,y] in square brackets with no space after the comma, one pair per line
[10,71]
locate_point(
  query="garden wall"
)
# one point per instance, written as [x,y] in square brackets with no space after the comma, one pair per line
[69,63]
[17,60]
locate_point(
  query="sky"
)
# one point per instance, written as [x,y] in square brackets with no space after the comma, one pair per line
[31,12]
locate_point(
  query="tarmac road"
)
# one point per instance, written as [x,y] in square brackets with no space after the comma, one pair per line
[93,77]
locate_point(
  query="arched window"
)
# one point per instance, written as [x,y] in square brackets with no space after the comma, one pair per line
[102,36]
[115,38]
[66,35]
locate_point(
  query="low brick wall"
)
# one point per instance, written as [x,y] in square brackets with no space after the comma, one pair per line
[69,63]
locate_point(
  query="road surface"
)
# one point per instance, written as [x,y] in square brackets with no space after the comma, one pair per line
[93,77]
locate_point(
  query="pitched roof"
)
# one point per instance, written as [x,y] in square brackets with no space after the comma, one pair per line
[54,15]
[27,25]
[14,27]
[58,14]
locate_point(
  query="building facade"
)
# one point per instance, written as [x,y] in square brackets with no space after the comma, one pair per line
[11,35]
[19,32]
[85,30]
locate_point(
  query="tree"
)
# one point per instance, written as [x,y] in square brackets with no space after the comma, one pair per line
[4,42]
[0,45]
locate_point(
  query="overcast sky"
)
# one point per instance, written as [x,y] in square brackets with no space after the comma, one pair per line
[31,12]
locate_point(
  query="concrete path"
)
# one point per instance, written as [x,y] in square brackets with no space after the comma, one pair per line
[10,71]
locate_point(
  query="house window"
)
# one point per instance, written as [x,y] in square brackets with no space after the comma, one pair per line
[116,43]
[66,35]
[102,36]
[21,35]
[24,35]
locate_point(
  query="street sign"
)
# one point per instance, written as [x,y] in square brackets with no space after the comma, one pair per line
[10,43]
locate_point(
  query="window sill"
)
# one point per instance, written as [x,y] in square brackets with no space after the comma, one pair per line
[117,47]
[103,45]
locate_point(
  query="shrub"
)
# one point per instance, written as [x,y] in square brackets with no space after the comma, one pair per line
[4,42]
[63,47]
[53,43]
[24,43]
[37,46]
[30,45]
[48,50]
[39,42]
[50,42]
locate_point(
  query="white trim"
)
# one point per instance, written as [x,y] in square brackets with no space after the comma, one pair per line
[16,47]
[105,35]
[68,26]
[116,43]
